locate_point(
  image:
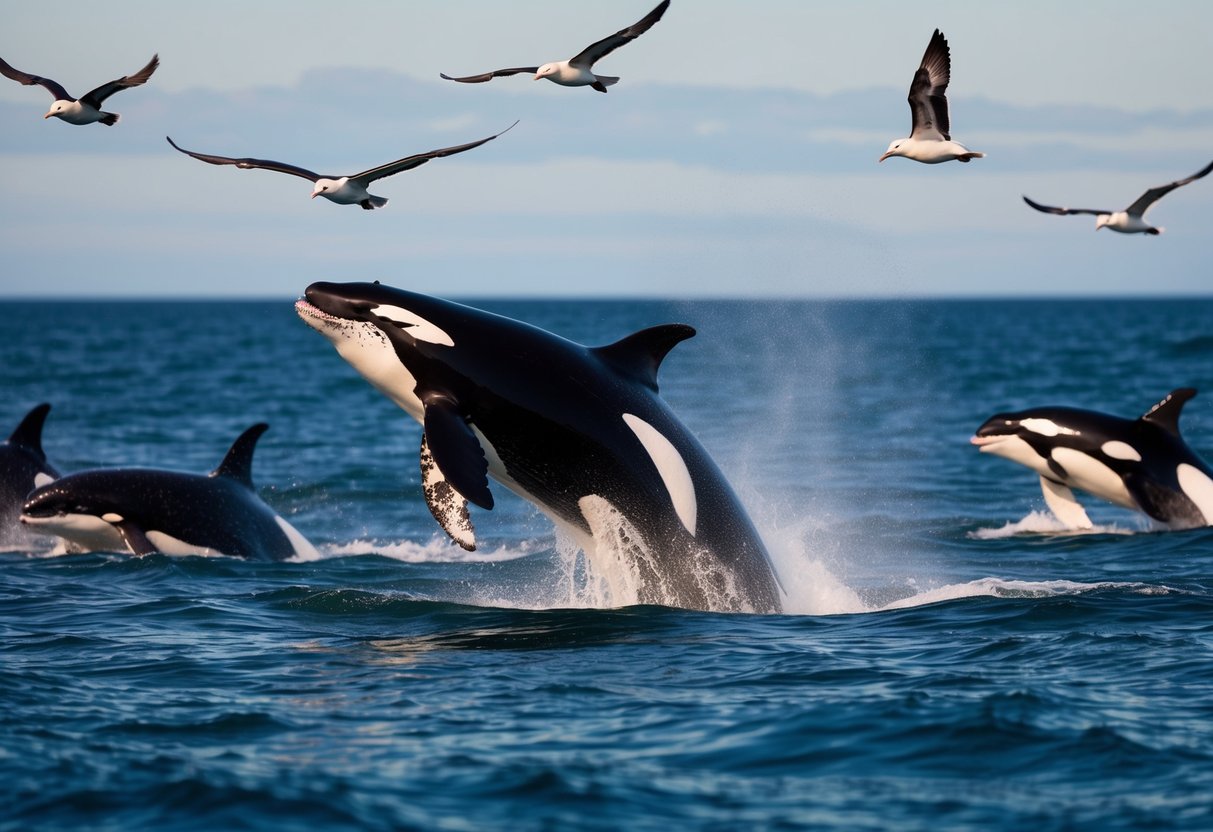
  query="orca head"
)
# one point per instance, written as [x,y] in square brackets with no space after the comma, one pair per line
[1028,436]
[84,508]
[377,329]
[393,310]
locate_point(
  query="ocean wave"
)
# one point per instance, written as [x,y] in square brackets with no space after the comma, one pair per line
[1004,588]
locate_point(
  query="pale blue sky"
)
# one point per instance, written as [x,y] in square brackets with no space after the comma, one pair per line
[736,157]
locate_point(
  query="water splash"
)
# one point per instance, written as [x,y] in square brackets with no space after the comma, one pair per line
[810,585]
[1044,523]
[434,550]
[613,567]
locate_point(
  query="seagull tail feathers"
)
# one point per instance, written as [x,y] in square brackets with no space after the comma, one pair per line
[972,154]
[601,82]
[371,203]
[109,119]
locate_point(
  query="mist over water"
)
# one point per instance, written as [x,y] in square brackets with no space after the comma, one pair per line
[948,657]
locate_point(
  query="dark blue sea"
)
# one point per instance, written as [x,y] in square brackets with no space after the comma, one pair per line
[950,658]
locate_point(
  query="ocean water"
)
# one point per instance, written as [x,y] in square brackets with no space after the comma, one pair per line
[949,659]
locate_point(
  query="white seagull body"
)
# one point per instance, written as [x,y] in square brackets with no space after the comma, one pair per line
[1132,219]
[344,190]
[87,108]
[577,71]
[929,140]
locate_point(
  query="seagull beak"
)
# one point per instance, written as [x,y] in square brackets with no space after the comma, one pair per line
[884,156]
[315,194]
[48,115]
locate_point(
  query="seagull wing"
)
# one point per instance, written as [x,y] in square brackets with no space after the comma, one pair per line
[416,160]
[489,76]
[928,104]
[1061,212]
[95,97]
[248,164]
[1154,194]
[606,46]
[20,77]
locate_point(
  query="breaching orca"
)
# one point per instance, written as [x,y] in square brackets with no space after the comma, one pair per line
[1142,464]
[578,431]
[151,510]
[23,467]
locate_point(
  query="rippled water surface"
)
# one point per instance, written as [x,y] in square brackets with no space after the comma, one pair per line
[949,659]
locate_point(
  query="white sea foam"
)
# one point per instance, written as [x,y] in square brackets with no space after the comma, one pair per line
[1044,523]
[42,547]
[434,550]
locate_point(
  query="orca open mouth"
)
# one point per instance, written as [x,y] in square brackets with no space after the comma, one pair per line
[322,321]
[307,309]
[44,517]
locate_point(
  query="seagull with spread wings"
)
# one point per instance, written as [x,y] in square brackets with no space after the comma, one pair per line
[930,141]
[344,190]
[577,71]
[1132,219]
[87,108]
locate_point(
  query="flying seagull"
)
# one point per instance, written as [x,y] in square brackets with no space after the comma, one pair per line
[344,190]
[1131,220]
[929,140]
[87,108]
[577,71]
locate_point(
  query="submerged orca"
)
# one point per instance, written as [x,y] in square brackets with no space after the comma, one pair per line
[23,467]
[1142,464]
[151,510]
[578,431]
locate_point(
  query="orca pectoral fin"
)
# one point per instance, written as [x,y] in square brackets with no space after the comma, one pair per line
[446,504]
[1061,501]
[456,451]
[134,537]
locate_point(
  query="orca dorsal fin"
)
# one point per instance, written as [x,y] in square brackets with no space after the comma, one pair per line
[1165,414]
[28,434]
[640,354]
[238,464]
